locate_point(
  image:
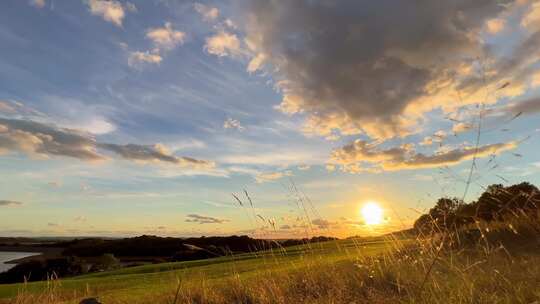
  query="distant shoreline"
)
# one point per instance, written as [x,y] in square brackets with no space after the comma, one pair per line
[25,248]
[40,252]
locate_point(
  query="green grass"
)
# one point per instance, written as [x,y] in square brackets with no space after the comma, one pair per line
[154,277]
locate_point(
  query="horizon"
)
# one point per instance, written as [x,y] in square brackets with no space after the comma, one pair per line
[262,118]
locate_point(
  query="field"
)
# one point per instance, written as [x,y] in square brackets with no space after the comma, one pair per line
[502,267]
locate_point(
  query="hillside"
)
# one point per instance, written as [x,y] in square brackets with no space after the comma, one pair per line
[501,269]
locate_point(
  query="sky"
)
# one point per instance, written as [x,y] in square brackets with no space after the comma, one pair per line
[262,117]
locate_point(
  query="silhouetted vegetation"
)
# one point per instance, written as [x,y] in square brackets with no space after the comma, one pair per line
[496,204]
[81,256]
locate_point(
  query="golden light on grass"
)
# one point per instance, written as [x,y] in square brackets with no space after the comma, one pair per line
[372,213]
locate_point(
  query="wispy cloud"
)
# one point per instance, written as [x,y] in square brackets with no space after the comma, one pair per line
[208,13]
[9,203]
[38,3]
[80,218]
[202,219]
[525,107]
[271,176]
[322,223]
[233,124]
[157,153]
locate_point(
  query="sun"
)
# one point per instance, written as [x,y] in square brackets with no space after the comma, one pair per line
[372,213]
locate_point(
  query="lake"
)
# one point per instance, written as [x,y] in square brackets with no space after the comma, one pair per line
[8,256]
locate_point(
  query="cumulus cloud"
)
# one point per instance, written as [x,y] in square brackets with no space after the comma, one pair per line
[350,71]
[271,176]
[38,3]
[201,219]
[110,10]
[9,203]
[362,156]
[223,44]
[208,13]
[41,140]
[437,137]
[461,127]
[138,58]
[233,124]
[165,37]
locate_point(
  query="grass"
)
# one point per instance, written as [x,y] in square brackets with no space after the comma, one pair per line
[125,282]
[500,265]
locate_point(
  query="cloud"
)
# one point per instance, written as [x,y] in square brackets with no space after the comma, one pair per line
[461,127]
[110,10]
[138,58]
[304,167]
[80,218]
[223,44]
[38,3]
[157,153]
[6,107]
[9,203]
[322,223]
[201,219]
[535,79]
[55,184]
[271,176]
[14,107]
[166,37]
[130,7]
[437,137]
[361,156]
[531,19]
[495,26]
[233,124]
[528,106]
[208,13]
[42,140]
[351,72]
[53,224]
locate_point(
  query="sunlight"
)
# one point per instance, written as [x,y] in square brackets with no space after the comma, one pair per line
[372,213]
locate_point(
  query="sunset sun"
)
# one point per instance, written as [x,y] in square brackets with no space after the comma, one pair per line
[372,213]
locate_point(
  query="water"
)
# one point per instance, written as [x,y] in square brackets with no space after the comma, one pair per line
[8,256]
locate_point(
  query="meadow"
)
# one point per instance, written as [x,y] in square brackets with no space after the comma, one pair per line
[488,263]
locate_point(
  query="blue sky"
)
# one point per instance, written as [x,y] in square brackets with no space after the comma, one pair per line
[123,118]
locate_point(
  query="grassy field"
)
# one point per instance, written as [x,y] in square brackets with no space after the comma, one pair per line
[387,270]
